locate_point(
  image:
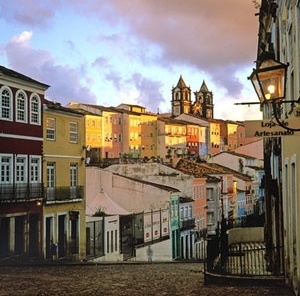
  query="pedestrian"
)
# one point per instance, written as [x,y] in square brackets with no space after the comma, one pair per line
[53,248]
[149,254]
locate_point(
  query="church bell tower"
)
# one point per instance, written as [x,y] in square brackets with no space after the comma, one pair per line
[181,98]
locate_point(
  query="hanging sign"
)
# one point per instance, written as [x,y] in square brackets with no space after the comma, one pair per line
[269,128]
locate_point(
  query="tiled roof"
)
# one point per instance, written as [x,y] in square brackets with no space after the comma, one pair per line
[59,107]
[201,170]
[198,170]
[235,154]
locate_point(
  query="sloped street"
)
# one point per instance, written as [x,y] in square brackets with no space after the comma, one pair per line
[118,279]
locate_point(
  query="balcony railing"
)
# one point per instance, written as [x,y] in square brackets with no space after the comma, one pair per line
[64,193]
[187,224]
[21,192]
[15,192]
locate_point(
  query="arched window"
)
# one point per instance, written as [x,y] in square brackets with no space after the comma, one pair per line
[35,112]
[21,106]
[6,104]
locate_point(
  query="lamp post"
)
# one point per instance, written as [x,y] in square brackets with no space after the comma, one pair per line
[269,82]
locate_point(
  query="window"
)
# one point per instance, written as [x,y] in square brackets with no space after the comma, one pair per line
[116,240]
[21,107]
[35,114]
[73,180]
[20,170]
[190,215]
[50,180]
[6,104]
[6,169]
[107,241]
[209,193]
[112,241]
[50,129]
[35,169]
[73,132]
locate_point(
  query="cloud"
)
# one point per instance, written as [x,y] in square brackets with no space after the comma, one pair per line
[67,82]
[149,91]
[211,38]
[29,12]
[214,36]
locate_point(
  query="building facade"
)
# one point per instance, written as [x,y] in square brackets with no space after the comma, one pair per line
[64,179]
[279,37]
[21,159]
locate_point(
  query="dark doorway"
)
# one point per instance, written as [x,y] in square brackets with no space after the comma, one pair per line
[19,235]
[34,235]
[74,236]
[49,237]
[4,235]
[61,236]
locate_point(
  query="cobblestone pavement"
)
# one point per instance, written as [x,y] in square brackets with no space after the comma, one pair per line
[118,279]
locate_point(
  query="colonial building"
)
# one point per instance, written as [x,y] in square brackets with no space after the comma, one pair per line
[21,160]
[64,179]
[279,32]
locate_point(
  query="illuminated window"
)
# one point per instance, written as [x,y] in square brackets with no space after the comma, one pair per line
[50,129]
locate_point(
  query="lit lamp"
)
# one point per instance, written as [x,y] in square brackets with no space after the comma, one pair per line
[269,80]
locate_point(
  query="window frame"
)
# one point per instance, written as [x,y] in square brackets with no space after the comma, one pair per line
[51,130]
[72,132]
[35,113]
[8,108]
[21,96]
[21,170]
[8,165]
[35,169]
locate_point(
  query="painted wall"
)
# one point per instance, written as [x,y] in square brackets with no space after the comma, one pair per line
[157,173]
[161,251]
[245,235]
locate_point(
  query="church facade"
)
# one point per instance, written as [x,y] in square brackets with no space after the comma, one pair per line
[182,103]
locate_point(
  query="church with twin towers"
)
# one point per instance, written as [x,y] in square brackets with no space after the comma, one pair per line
[201,105]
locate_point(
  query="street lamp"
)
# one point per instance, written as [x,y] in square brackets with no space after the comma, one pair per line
[269,82]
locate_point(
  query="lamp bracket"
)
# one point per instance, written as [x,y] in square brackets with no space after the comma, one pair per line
[276,103]
[278,120]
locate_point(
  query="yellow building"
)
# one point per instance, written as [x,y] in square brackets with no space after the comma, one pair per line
[214,141]
[149,135]
[172,140]
[64,178]
[142,131]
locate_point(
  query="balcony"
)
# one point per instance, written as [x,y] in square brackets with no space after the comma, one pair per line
[21,192]
[64,193]
[187,224]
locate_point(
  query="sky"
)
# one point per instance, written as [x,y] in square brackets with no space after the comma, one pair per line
[109,52]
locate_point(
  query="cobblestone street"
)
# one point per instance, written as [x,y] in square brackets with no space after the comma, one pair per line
[118,279]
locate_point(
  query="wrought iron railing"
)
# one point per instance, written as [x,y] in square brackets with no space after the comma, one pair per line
[243,258]
[64,193]
[20,192]
[187,224]
[15,192]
